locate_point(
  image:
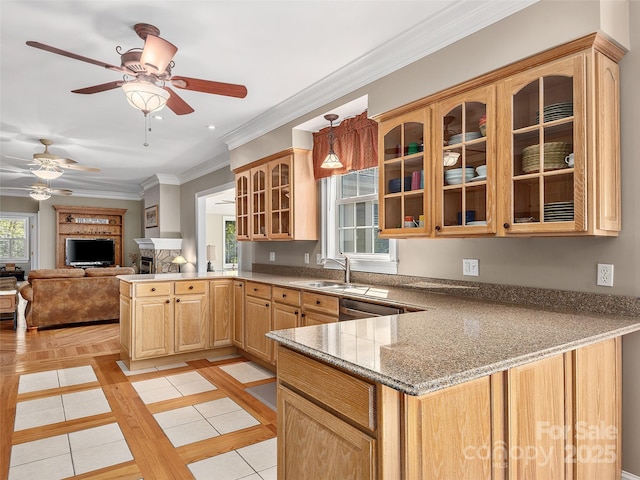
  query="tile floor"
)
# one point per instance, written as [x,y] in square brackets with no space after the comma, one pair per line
[88,449]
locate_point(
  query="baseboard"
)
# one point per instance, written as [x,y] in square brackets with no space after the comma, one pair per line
[629,476]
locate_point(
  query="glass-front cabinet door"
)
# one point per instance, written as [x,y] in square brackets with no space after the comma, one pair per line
[280,194]
[464,167]
[259,202]
[242,206]
[545,156]
[404,183]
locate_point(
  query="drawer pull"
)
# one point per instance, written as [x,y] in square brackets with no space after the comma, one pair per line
[153,289]
[506,225]
[177,300]
[255,289]
[317,302]
[190,287]
[167,301]
[284,295]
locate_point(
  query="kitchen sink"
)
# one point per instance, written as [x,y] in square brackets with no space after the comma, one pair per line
[320,284]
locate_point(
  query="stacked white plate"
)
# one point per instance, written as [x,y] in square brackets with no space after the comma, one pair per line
[467,137]
[558,212]
[454,175]
[556,111]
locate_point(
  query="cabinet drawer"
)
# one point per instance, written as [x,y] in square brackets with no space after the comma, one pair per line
[153,289]
[260,290]
[183,288]
[126,289]
[348,395]
[288,296]
[320,303]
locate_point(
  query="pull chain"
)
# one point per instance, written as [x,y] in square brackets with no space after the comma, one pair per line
[147,128]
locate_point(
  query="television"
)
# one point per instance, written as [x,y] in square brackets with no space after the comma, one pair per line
[90,252]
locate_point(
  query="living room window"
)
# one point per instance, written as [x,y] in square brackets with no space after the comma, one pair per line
[230,244]
[14,238]
[350,223]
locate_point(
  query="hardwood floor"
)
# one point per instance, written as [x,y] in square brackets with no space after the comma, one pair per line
[151,445]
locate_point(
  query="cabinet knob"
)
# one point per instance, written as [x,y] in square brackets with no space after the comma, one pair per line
[302,315]
[177,300]
[438,228]
[167,301]
[317,302]
[190,287]
[266,304]
[284,295]
[296,312]
[255,289]
[153,289]
[506,225]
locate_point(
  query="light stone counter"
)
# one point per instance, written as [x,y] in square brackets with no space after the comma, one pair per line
[452,341]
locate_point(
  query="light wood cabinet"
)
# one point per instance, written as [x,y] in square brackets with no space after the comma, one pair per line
[221,294]
[170,321]
[271,205]
[238,314]
[318,308]
[558,417]
[523,121]
[257,320]
[89,223]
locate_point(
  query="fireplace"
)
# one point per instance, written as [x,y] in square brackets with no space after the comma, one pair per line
[146,265]
[156,254]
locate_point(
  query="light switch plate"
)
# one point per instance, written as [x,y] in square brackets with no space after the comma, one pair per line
[272,256]
[306,258]
[470,267]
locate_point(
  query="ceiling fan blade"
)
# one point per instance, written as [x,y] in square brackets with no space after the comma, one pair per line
[19,158]
[176,104]
[60,191]
[80,167]
[64,53]
[99,88]
[157,53]
[208,86]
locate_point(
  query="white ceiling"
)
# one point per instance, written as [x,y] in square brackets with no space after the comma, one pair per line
[293,56]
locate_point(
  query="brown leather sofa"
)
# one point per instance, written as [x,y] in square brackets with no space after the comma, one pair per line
[64,296]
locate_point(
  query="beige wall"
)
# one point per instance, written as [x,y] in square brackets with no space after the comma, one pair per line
[556,263]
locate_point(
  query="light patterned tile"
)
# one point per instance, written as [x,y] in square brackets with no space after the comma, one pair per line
[190,433]
[54,468]
[38,412]
[246,372]
[228,466]
[85,404]
[184,378]
[39,450]
[76,376]
[151,384]
[159,394]
[230,422]
[128,372]
[100,456]
[33,382]
[93,437]
[261,455]
[269,474]
[177,416]
[196,387]
[217,407]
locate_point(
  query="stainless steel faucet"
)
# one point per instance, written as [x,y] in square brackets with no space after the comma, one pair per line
[346,266]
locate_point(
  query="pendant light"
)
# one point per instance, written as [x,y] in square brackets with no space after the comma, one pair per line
[332,160]
[145,95]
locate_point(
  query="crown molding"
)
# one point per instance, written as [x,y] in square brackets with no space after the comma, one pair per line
[158,179]
[414,44]
[210,166]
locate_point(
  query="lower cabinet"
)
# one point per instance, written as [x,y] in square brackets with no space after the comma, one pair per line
[222,321]
[237,336]
[191,318]
[318,308]
[555,418]
[257,315]
[152,327]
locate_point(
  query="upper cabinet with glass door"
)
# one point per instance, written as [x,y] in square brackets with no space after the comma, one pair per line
[465,164]
[242,205]
[280,194]
[404,180]
[561,170]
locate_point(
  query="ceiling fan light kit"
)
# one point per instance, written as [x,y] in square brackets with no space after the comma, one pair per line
[145,95]
[39,195]
[47,172]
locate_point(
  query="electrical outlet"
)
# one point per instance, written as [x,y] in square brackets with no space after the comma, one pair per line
[318,259]
[272,256]
[605,275]
[306,258]
[470,267]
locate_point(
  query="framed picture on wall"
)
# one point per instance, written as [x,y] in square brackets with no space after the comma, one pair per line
[151,217]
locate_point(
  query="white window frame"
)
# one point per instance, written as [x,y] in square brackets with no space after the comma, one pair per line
[27,238]
[371,263]
[225,219]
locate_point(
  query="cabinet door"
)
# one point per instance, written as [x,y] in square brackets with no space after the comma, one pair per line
[238,314]
[464,168]
[242,206]
[257,324]
[315,318]
[331,447]
[404,188]
[259,204]
[220,292]
[153,330]
[543,161]
[125,325]
[191,322]
[536,420]
[280,195]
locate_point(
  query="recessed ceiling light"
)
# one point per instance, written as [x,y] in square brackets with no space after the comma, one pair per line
[211,127]
[158,117]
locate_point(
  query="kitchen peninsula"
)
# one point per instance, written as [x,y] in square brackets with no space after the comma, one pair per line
[463,389]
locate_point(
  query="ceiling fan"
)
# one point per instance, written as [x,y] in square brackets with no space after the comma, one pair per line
[51,165]
[42,191]
[147,72]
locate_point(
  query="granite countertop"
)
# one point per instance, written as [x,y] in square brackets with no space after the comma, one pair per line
[451,341]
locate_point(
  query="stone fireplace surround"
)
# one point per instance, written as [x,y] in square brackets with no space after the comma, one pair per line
[162,250]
